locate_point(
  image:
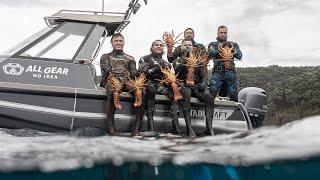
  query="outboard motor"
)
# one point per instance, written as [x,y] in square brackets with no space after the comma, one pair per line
[255,101]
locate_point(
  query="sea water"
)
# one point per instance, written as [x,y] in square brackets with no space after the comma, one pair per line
[291,151]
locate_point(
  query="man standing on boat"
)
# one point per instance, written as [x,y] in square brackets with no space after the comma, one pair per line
[223,53]
[177,52]
[193,73]
[116,69]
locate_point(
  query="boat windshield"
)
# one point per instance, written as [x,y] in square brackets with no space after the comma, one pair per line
[24,43]
[63,43]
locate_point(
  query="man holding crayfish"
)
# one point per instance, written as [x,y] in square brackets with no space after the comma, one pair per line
[157,69]
[151,65]
[191,70]
[118,71]
[223,53]
[173,54]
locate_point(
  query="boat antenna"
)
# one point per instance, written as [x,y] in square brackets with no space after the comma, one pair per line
[134,7]
[102,6]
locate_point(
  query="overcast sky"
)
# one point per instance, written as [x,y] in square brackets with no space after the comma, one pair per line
[282,32]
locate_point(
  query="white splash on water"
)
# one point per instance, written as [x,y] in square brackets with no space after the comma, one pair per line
[50,152]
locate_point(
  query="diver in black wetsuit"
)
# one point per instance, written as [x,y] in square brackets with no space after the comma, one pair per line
[151,65]
[177,52]
[197,85]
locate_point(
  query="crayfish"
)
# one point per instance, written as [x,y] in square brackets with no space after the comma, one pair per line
[195,59]
[138,84]
[226,52]
[116,88]
[202,55]
[170,40]
[171,79]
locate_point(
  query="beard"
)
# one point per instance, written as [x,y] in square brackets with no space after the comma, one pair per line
[186,52]
[158,54]
[221,39]
[189,37]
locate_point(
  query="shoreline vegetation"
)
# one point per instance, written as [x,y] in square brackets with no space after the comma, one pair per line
[293,92]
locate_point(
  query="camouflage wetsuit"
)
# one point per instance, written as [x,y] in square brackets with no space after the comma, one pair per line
[199,90]
[122,66]
[220,74]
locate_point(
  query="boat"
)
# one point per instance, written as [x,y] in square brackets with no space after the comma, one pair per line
[47,82]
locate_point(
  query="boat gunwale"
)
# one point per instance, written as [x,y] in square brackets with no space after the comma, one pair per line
[99,93]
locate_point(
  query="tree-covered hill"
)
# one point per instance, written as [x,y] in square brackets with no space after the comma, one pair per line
[293,92]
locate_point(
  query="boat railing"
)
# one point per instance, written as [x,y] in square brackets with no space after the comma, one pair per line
[245,115]
[89,12]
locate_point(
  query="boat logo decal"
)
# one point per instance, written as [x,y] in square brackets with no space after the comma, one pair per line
[14,69]
[219,114]
[37,71]
[47,72]
[222,114]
